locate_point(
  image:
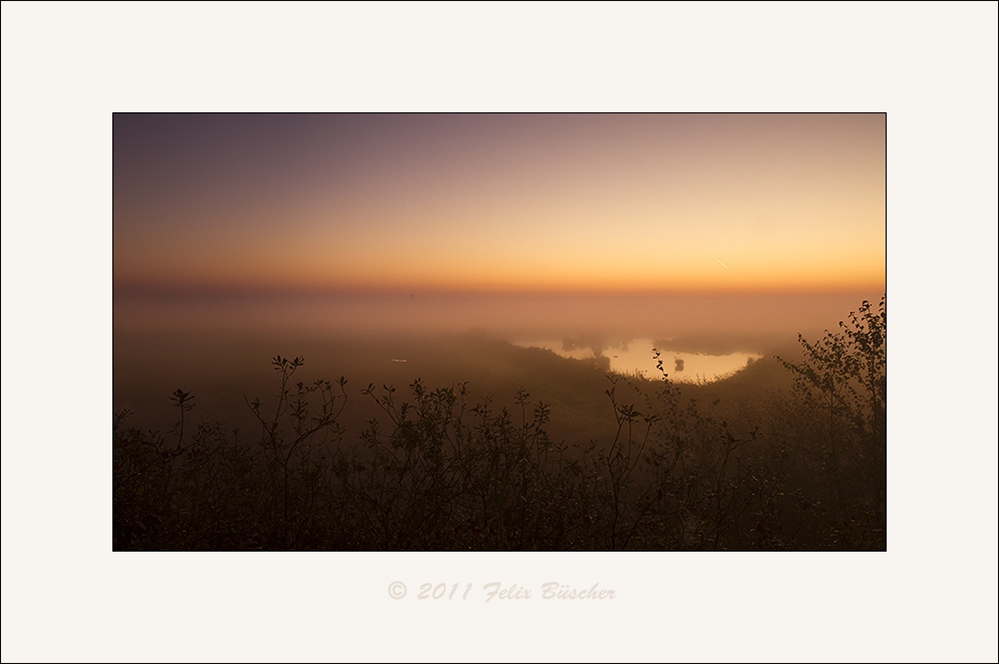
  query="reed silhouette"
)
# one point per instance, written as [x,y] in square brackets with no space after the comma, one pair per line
[436,469]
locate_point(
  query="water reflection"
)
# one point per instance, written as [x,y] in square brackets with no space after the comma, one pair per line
[638,356]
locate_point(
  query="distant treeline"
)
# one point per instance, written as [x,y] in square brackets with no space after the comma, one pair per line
[802,469]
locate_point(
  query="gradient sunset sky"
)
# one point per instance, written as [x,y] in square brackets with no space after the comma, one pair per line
[272,204]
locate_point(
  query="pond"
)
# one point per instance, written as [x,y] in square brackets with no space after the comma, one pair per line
[638,356]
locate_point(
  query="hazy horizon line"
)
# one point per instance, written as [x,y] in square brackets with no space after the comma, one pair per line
[182,292]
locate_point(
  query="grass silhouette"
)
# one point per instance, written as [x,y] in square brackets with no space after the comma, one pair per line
[438,470]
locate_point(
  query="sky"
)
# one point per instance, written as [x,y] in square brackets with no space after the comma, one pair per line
[247,204]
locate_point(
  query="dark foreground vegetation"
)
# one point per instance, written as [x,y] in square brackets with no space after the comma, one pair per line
[797,470]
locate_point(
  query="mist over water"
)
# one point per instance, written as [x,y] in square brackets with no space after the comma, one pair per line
[220,347]
[718,318]
[644,357]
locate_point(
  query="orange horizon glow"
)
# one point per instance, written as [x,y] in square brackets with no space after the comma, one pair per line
[274,288]
[500,203]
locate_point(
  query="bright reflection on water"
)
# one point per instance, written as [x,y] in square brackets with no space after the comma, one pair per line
[637,355]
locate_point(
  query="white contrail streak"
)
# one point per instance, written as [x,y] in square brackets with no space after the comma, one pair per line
[712,255]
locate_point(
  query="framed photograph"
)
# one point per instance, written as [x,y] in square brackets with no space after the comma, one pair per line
[500,332]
